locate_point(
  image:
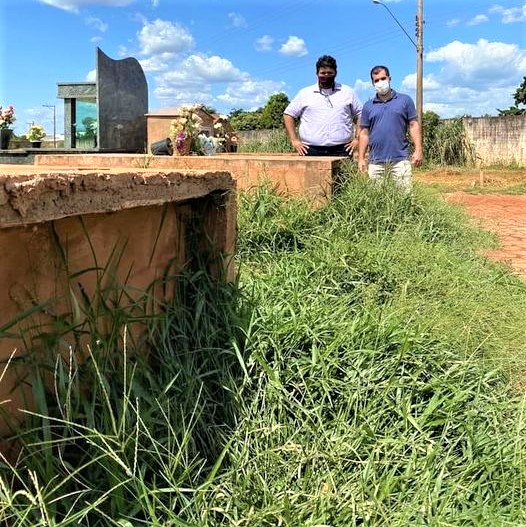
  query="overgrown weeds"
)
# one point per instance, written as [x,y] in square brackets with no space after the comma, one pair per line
[357,374]
[446,142]
[276,141]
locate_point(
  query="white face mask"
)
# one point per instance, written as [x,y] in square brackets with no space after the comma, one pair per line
[382,87]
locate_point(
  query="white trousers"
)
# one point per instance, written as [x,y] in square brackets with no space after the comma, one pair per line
[400,172]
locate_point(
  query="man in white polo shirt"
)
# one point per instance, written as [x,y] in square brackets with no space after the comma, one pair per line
[329,114]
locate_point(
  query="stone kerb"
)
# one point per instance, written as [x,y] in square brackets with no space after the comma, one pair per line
[67,233]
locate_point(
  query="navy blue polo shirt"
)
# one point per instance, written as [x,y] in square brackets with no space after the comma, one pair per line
[388,122]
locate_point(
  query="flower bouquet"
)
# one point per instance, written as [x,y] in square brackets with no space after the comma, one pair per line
[7,117]
[36,133]
[184,129]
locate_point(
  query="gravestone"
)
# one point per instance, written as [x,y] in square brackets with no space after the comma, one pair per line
[119,97]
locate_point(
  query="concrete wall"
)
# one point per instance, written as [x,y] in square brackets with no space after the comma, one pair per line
[158,128]
[66,234]
[498,140]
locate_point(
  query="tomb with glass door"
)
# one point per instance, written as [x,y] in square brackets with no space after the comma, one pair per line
[108,114]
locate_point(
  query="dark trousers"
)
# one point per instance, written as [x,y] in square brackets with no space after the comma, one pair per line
[335,150]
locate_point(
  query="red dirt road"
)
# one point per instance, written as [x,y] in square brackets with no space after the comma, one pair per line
[506,216]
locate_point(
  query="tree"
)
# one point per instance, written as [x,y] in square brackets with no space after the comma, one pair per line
[520,98]
[245,120]
[520,94]
[430,124]
[209,109]
[268,117]
[512,110]
[272,113]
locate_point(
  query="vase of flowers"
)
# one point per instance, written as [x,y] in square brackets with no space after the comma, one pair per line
[35,135]
[7,118]
[184,129]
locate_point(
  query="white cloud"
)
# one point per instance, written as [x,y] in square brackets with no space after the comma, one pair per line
[472,79]
[294,46]
[157,63]
[212,69]
[454,101]
[73,5]
[162,36]
[480,63]
[429,82]
[182,78]
[197,77]
[97,24]
[122,51]
[361,85]
[250,93]
[476,20]
[264,43]
[364,89]
[237,20]
[192,79]
[453,22]
[510,15]
[176,96]
[91,76]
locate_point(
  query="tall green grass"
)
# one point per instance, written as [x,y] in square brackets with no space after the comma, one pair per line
[358,373]
[445,142]
[276,141]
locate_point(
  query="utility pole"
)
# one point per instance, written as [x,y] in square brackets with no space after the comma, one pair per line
[420,61]
[419,45]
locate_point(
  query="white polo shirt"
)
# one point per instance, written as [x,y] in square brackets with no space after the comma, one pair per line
[326,116]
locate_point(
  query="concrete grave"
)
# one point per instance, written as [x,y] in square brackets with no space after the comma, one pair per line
[67,232]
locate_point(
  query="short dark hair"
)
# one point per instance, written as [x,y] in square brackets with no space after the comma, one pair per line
[376,69]
[326,61]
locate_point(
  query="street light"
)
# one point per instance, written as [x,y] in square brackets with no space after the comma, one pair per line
[54,123]
[419,45]
[396,20]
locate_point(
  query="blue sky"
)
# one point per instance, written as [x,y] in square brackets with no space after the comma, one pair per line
[237,53]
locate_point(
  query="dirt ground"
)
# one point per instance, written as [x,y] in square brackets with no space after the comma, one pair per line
[496,198]
[473,179]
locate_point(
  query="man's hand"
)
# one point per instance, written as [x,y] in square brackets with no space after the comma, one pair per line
[352,146]
[300,147]
[417,158]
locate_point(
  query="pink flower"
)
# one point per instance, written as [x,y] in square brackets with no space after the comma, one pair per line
[7,116]
[180,139]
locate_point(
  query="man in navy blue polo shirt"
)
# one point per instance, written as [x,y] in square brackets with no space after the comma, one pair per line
[384,122]
[328,113]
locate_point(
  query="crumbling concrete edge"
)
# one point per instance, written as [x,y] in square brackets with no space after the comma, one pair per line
[38,197]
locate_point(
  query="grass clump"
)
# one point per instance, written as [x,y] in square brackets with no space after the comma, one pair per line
[357,374]
[276,142]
